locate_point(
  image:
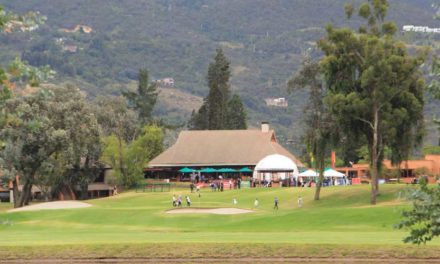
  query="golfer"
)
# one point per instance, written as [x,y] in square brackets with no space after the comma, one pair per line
[188,201]
[256,203]
[275,205]
[300,201]
[174,201]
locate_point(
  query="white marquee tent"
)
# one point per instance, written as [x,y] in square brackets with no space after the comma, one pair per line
[333,173]
[275,167]
[327,173]
[308,173]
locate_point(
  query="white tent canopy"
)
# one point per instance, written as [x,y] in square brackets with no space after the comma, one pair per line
[333,173]
[327,173]
[308,173]
[275,165]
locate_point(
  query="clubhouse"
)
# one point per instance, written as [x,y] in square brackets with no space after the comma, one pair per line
[217,149]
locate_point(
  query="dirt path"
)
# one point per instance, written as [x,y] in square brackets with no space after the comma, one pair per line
[52,206]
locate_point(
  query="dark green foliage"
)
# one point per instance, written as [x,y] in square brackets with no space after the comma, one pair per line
[144,99]
[219,110]
[219,91]
[375,88]
[320,127]
[423,218]
[236,117]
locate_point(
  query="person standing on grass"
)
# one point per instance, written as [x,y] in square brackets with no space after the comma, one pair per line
[174,201]
[188,201]
[275,206]
[256,203]
[230,184]
[179,201]
[300,201]
[234,201]
[191,186]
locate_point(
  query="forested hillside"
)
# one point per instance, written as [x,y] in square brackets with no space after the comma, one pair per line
[264,40]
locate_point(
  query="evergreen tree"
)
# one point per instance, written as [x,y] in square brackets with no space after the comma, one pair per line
[144,99]
[219,91]
[236,117]
[217,108]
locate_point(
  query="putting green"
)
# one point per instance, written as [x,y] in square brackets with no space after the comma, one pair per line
[343,216]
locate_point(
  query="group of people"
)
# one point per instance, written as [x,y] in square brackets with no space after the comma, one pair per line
[177,202]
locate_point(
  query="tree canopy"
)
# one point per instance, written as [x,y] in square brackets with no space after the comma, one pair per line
[375,86]
[219,109]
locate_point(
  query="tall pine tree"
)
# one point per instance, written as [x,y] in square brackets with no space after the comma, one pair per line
[236,114]
[219,110]
[144,99]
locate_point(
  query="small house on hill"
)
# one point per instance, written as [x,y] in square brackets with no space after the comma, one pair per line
[217,149]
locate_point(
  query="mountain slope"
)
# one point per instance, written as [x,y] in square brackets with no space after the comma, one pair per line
[264,39]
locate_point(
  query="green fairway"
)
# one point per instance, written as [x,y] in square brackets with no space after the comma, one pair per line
[342,217]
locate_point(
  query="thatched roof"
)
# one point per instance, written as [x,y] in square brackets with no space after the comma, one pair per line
[221,148]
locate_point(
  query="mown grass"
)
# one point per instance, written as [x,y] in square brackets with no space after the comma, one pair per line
[135,224]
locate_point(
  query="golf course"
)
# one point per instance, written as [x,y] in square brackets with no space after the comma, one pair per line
[136,224]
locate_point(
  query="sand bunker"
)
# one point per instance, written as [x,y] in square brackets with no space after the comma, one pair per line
[52,206]
[219,211]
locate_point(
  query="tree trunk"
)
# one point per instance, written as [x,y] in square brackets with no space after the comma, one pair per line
[375,154]
[84,190]
[25,194]
[28,193]
[121,162]
[16,193]
[320,162]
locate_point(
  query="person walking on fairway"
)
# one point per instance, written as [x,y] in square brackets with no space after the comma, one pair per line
[256,203]
[300,201]
[188,201]
[234,201]
[179,200]
[275,205]
[174,201]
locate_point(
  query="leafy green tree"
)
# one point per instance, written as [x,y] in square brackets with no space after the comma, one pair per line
[135,156]
[119,125]
[375,87]
[422,218]
[31,137]
[236,117]
[144,99]
[71,111]
[434,87]
[147,146]
[320,128]
[114,154]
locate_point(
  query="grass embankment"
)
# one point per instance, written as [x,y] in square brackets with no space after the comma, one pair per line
[342,224]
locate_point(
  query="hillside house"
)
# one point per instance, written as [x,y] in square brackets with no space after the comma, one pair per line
[166,82]
[277,102]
